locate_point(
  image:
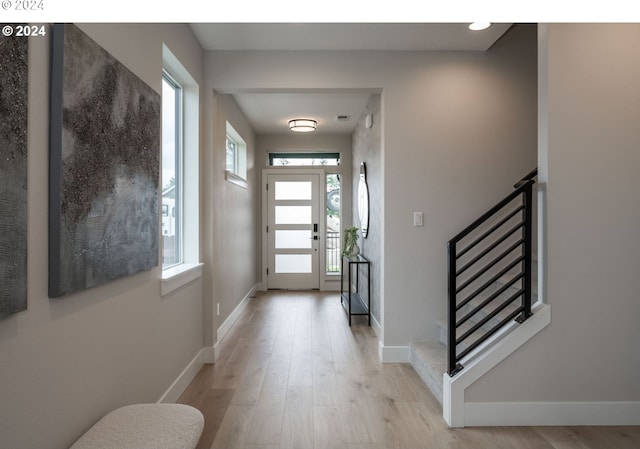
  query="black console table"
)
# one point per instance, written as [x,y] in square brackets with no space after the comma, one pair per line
[354,302]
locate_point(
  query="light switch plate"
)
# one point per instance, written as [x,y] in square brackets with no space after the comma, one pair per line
[418,219]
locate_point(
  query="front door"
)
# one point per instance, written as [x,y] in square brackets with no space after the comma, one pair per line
[293,231]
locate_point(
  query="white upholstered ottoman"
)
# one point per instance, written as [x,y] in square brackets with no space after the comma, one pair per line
[145,426]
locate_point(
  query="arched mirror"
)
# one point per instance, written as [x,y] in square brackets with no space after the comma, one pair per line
[363,201]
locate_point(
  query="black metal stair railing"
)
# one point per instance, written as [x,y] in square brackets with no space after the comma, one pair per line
[496,246]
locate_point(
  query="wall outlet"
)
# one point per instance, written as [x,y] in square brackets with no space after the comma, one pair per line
[218,309]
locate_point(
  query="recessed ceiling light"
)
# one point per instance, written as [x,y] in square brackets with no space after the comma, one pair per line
[302,125]
[479,26]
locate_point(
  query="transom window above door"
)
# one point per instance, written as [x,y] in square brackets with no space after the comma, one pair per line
[301,159]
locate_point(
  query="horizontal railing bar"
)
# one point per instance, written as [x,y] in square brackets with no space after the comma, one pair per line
[491,212]
[490,315]
[489,265]
[489,282]
[493,330]
[490,248]
[490,299]
[489,232]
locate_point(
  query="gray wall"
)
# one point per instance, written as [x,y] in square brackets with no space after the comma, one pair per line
[367,148]
[458,132]
[66,362]
[230,222]
[589,160]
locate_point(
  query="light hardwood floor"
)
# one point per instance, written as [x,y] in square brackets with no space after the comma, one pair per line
[292,374]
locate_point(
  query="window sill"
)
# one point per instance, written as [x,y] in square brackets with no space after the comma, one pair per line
[175,277]
[235,179]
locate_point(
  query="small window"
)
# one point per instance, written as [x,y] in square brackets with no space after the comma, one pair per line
[232,155]
[236,158]
[304,159]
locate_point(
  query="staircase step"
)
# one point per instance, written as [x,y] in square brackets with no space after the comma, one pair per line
[429,360]
[511,290]
[483,313]
[505,295]
[444,338]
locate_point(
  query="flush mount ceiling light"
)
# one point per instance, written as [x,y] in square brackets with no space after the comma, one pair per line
[479,26]
[302,125]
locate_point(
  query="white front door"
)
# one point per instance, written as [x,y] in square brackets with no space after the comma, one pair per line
[293,234]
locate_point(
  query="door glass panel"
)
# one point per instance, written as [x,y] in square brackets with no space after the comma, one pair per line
[293,263]
[293,190]
[293,214]
[290,239]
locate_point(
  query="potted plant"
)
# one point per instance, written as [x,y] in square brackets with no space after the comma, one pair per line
[350,247]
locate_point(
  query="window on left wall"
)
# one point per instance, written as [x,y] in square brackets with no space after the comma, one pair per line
[180,235]
[171,171]
[236,158]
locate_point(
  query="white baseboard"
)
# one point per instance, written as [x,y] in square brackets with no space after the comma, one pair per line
[210,353]
[178,386]
[393,354]
[376,327]
[205,355]
[233,316]
[552,414]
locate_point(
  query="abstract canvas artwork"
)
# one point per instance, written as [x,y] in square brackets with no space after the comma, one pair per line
[13,174]
[104,167]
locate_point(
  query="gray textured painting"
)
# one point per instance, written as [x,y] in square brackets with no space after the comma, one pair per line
[104,167]
[13,174]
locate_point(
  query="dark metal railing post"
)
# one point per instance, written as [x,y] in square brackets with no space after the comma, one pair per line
[454,367]
[528,230]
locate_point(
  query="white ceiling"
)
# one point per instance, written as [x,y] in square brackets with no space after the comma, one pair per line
[346,36]
[269,113]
